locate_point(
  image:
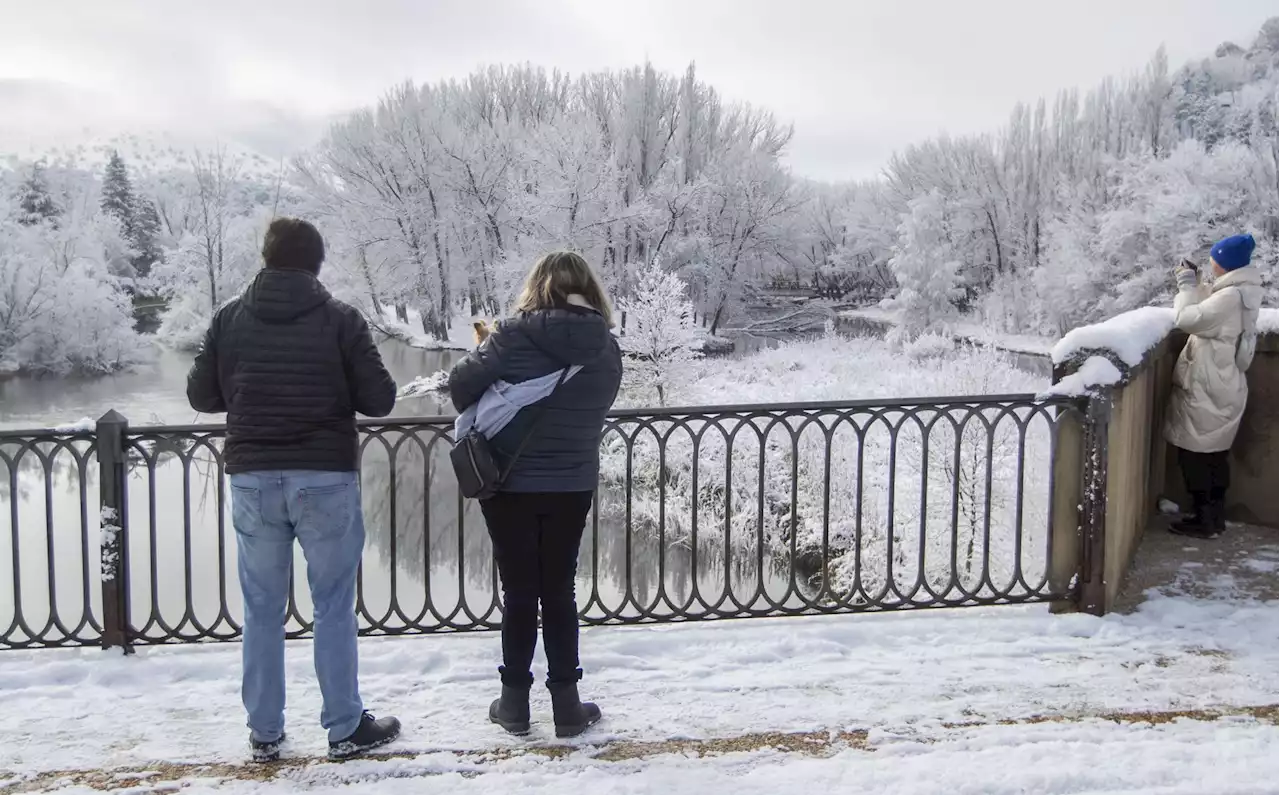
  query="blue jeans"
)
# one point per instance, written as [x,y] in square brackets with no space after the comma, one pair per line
[322,511]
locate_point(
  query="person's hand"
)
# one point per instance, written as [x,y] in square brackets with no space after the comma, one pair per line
[1186,275]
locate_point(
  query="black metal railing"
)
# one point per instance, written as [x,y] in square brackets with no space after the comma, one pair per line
[121,536]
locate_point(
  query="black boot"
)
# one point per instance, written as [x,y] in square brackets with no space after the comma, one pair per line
[511,710]
[371,733]
[572,716]
[1200,524]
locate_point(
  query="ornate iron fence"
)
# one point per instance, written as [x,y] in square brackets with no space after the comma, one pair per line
[121,536]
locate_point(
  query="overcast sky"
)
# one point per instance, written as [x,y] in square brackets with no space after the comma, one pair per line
[859,78]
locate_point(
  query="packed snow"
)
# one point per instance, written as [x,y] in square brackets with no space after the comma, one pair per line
[109,531]
[1130,336]
[1007,699]
[1096,371]
[82,425]
[424,385]
[1269,321]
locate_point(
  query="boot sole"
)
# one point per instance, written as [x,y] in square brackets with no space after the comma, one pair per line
[1210,536]
[357,751]
[517,729]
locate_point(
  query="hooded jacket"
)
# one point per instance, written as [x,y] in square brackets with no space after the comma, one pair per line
[1209,386]
[291,366]
[563,454]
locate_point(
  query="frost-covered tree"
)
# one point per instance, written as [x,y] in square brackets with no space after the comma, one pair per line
[216,253]
[62,309]
[1038,213]
[659,334]
[453,189]
[925,267]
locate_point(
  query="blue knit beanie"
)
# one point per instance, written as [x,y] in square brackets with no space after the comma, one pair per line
[1233,252]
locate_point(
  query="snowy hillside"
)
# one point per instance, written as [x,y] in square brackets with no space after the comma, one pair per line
[147,153]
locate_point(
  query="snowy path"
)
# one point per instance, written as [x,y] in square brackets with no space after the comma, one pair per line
[959,696]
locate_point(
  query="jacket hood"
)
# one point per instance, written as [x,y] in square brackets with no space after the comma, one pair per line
[571,335]
[278,295]
[1248,281]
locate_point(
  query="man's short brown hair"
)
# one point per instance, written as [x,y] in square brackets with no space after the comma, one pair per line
[293,243]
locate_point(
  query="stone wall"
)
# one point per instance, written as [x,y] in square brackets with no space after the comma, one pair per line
[1141,468]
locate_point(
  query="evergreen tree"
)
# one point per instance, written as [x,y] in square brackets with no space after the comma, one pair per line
[145,237]
[117,194]
[137,215]
[35,203]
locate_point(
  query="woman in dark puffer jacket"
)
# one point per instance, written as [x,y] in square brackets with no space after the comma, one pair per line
[562,318]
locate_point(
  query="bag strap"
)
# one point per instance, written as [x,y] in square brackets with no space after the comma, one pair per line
[539,410]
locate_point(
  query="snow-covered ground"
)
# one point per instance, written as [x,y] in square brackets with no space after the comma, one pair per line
[831,367]
[1176,698]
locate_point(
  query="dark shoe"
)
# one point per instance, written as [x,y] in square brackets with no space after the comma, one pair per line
[1200,523]
[371,733]
[266,752]
[511,710]
[572,716]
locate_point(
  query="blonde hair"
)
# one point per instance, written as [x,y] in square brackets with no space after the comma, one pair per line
[555,277]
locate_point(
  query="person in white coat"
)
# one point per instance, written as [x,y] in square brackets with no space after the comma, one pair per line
[1209,386]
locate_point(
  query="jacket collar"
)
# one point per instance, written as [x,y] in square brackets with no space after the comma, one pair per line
[1248,275]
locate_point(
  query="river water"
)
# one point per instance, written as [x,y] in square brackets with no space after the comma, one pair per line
[427,559]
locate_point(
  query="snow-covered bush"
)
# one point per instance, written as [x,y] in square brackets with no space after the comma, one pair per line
[660,336]
[930,346]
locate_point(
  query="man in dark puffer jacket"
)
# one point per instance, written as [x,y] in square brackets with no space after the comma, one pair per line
[291,366]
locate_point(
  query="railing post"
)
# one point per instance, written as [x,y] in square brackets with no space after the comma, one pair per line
[1093,505]
[110,436]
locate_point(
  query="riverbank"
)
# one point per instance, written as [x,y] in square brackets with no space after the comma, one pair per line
[461,334]
[962,330]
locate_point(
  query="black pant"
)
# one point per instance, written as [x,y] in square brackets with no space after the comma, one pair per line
[1207,475]
[535,543]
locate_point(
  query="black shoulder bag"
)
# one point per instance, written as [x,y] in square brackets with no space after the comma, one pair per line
[473,461]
